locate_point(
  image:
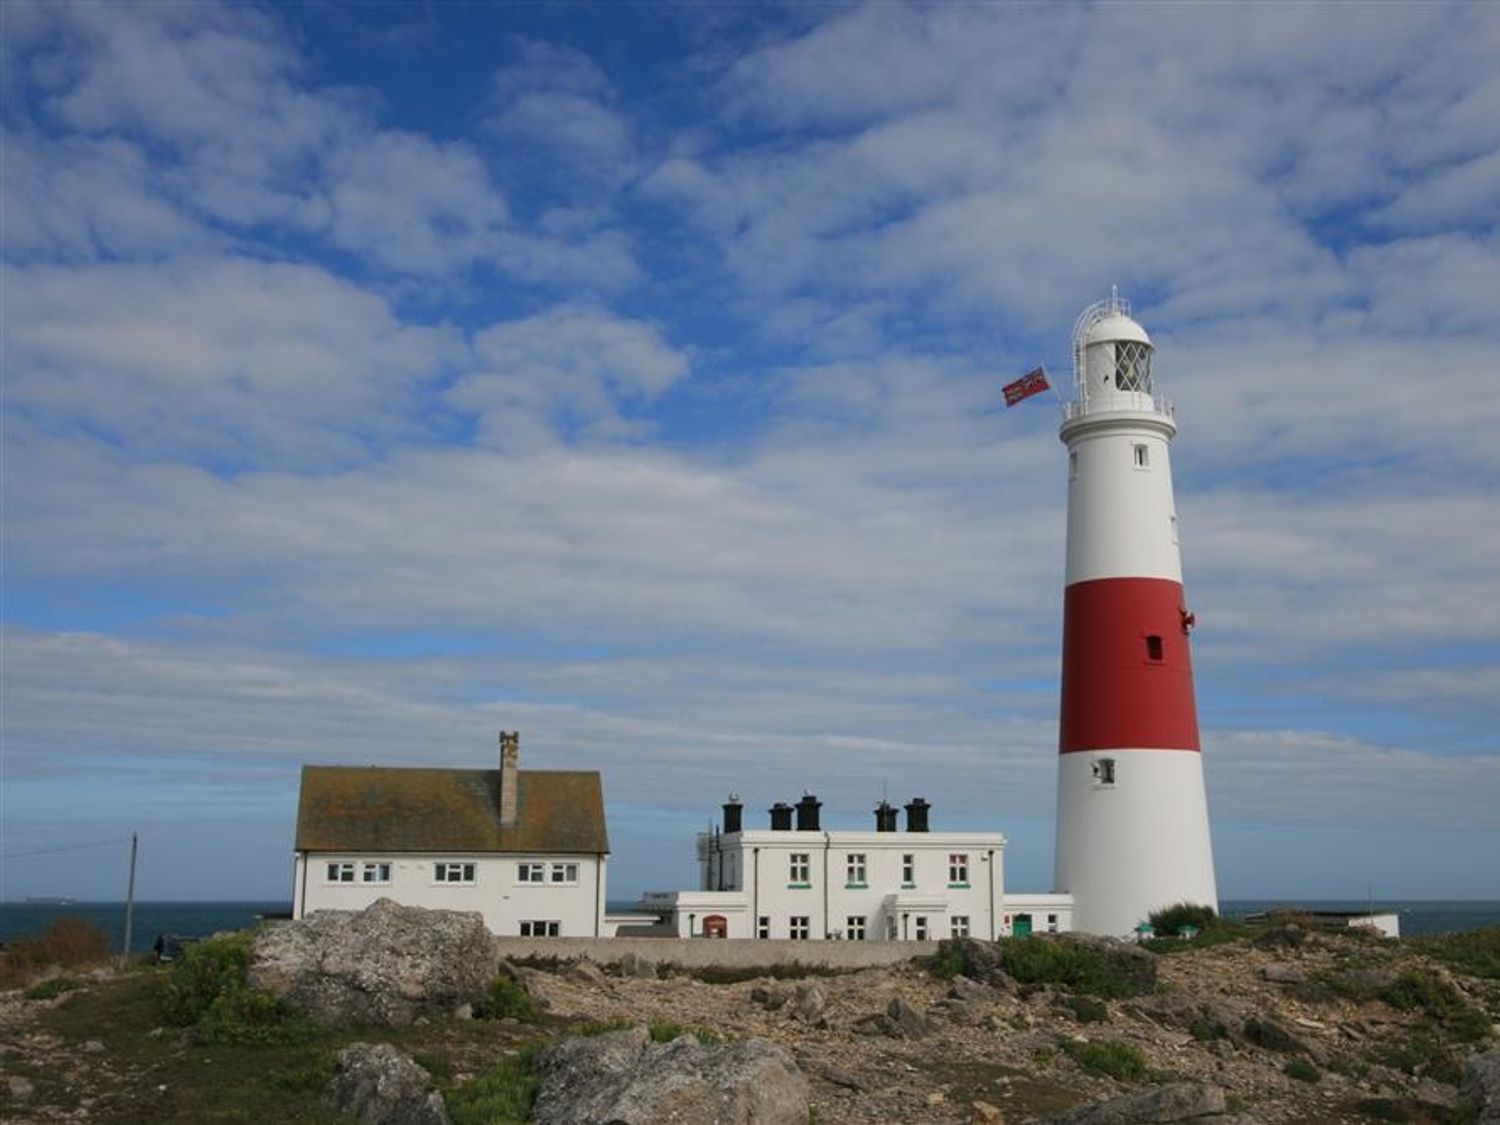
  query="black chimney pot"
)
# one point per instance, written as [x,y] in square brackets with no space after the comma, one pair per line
[916,815]
[781,817]
[807,813]
[732,813]
[885,817]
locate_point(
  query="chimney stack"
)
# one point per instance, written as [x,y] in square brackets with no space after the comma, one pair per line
[807,813]
[732,812]
[781,817]
[885,817]
[510,757]
[916,815]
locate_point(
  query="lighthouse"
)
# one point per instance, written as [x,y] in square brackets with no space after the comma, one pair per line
[1132,816]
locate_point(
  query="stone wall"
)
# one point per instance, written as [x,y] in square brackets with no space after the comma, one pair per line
[703,953]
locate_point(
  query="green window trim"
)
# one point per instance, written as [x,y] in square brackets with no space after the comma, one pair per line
[959,886]
[799,886]
[856,886]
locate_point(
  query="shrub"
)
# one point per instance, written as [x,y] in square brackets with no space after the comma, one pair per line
[66,942]
[1476,952]
[947,963]
[664,1031]
[1168,921]
[507,999]
[53,986]
[1113,1057]
[1033,961]
[1085,1009]
[1441,1001]
[207,991]
[1302,1071]
[502,1095]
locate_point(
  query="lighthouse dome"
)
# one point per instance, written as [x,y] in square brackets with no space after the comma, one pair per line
[1113,356]
[1116,326]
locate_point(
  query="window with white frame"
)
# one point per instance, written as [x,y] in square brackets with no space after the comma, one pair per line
[539,928]
[801,927]
[799,870]
[958,870]
[909,870]
[531,872]
[854,869]
[1142,457]
[564,873]
[763,927]
[341,872]
[375,872]
[958,925]
[854,927]
[453,872]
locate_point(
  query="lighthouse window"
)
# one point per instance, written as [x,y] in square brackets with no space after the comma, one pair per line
[1142,457]
[1104,771]
[1133,366]
[1153,649]
[1073,465]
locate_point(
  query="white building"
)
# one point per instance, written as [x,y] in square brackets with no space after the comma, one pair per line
[526,848]
[802,882]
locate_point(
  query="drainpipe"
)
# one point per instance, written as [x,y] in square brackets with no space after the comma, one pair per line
[990,859]
[305,865]
[598,890]
[755,889]
[827,843]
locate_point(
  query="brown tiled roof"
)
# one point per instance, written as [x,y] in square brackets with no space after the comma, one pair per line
[379,809]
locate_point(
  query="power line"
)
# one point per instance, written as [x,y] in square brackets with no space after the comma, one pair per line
[63,848]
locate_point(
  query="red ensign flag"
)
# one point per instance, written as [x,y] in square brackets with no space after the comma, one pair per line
[1032,383]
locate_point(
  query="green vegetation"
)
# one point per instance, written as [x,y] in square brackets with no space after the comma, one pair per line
[1476,953]
[207,991]
[507,999]
[947,963]
[1302,1071]
[1033,961]
[1085,1009]
[1169,921]
[1113,1057]
[52,986]
[68,943]
[664,1031]
[502,1095]
[1440,1001]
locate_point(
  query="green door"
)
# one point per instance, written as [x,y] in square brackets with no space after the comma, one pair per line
[1021,926]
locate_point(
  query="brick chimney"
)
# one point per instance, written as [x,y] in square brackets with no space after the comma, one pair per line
[510,757]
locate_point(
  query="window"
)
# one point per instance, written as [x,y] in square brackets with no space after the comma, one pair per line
[1142,457]
[909,870]
[1104,771]
[1174,529]
[535,928]
[921,927]
[763,927]
[801,927]
[800,869]
[375,872]
[531,872]
[1154,649]
[1052,923]
[854,927]
[958,926]
[341,872]
[1133,366]
[453,872]
[854,869]
[565,872]
[958,870]
[1073,465]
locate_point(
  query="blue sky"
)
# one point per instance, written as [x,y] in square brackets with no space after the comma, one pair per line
[377,377]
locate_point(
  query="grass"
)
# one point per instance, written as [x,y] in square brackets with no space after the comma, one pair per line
[1302,1071]
[664,1031]
[52,986]
[1476,953]
[1113,1057]
[502,1095]
[508,999]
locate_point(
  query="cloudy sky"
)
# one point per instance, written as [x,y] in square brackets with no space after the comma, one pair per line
[377,377]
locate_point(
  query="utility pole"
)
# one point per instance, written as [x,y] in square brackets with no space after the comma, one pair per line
[129,901]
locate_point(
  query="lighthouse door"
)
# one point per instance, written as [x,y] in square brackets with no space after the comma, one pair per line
[1021,927]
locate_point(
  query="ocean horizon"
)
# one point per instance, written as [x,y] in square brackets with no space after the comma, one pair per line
[200,919]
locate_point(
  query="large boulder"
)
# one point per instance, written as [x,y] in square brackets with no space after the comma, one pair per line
[1177,1101]
[625,1079]
[377,1085]
[384,965]
[1481,1087]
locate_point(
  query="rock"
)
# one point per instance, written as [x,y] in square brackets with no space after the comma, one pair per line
[770,997]
[377,1085]
[1177,1101]
[92,1047]
[904,1021]
[1282,974]
[1481,1087]
[810,1004]
[586,972]
[624,1078]
[634,965]
[982,1113]
[1262,1031]
[970,991]
[385,965]
[844,1079]
[20,1088]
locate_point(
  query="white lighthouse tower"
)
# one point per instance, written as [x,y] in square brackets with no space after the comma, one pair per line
[1132,817]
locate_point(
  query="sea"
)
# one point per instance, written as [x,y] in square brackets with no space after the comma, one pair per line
[200,919]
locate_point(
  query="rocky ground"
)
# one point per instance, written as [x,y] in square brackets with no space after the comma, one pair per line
[1309,1028]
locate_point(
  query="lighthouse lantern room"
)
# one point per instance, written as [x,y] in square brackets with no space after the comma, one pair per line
[1132,817]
